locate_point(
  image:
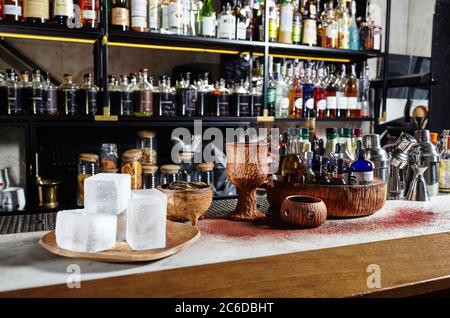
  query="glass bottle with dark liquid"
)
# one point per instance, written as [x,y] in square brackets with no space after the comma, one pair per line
[339,178]
[62,11]
[323,178]
[34,103]
[67,97]
[203,88]
[114,95]
[186,97]
[87,96]
[120,15]
[256,100]
[27,91]
[50,96]
[240,101]
[13,10]
[220,97]
[143,96]
[166,99]
[331,94]
[13,94]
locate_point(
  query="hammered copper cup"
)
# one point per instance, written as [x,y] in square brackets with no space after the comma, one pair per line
[247,168]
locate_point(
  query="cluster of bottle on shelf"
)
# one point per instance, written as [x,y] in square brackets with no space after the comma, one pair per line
[136,95]
[319,91]
[19,95]
[338,160]
[75,13]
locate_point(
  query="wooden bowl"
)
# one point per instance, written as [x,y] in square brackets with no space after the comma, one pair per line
[190,204]
[303,211]
[341,201]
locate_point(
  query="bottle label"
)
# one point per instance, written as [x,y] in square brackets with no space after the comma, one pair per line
[36,9]
[352,103]
[68,101]
[284,103]
[331,102]
[89,14]
[298,103]
[364,178]
[273,29]
[309,103]
[322,104]
[50,101]
[139,8]
[144,102]
[120,16]
[312,9]
[243,104]
[14,97]
[186,14]
[309,32]
[270,95]
[227,27]
[286,17]
[63,8]
[332,31]
[241,31]
[296,29]
[165,17]
[354,38]
[341,101]
[126,103]
[175,15]
[344,33]
[208,26]
[153,14]
[138,22]
[11,9]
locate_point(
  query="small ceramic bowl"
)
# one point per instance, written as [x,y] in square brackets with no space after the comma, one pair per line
[303,211]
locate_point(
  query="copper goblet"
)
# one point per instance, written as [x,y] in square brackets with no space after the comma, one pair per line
[247,168]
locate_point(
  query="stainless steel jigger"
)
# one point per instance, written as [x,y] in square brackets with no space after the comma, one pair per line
[418,189]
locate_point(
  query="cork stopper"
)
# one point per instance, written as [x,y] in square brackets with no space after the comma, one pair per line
[206,166]
[145,134]
[149,168]
[132,154]
[170,169]
[89,157]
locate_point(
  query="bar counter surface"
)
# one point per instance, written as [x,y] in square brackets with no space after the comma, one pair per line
[404,247]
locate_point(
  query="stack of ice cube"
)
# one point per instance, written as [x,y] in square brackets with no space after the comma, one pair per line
[113,213]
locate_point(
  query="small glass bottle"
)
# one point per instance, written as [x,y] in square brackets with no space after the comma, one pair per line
[27,90]
[444,168]
[121,96]
[208,19]
[143,95]
[166,98]
[87,96]
[109,158]
[240,101]
[292,168]
[203,89]
[89,11]
[67,97]
[256,100]
[331,135]
[310,176]
[36,11]
[187,171]
[365,36]
[63,10]
[50,96]
[146,140]
[186,97]
[220,97]
[205,172]
[149,176]
[120,15]
[131,164]
[363,169]
[322,178]
[339,177]
[35,105]
[87,166]
[13,10]
[13,94]
[169,173]
[226,24]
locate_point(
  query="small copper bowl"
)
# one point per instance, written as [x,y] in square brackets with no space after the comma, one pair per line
[303,211]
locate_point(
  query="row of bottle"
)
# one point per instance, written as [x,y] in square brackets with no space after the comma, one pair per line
[19,95]
[131,96]
[334,161]
[319,91]
[70,13]
[330,26]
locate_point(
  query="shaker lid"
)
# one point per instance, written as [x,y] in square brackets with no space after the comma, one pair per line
[170,168]
[89,157]
[205,166]
[371,141]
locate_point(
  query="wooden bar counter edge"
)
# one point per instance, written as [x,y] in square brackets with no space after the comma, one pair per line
[407,267]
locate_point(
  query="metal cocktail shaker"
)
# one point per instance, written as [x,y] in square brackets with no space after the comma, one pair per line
[426,155]
[378,156]
[418,189]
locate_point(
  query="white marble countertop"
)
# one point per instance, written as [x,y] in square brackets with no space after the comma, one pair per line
[25,264]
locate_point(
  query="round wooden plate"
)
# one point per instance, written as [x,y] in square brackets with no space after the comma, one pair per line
[179,236]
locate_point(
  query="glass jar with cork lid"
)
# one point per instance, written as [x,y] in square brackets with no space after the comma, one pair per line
[149,176]
[131,164]
[88,165]
[205,172]
[170,173]
[146,140]
[187,171]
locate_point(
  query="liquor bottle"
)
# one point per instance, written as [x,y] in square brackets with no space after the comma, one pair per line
[153,15]
[322,178]
[364,91]
[273,22]
[351,94]
[308,94]
[332,28]
[281,94]
[26,89]
[297,25]
[320,94]
[186,22]
[356,136]
[292,168]
[186,97]
[256,100]
[241,22]
[260,21]
[13,10]
[310,23]
[296,95]
[343,25]
[226,26]
[13,94]
[120,15]
[36,11]
[220,97]
[240,100]
[196,20]
[203,89]
[271,90]
[341,97]
[139,21]
[309,175]
[331,93]
[143,95]
[305,136]
[365,36]
[354,31]
[208,18]
[87,96]
[346,146]
[114,95]
[363,169]
[34,103]
[50,96]
[286,19]
[444,168]
[167,100]
[89,12]
[321,23]
[165,17]
[67,97]
[331,135]
[339,177]
[176,17]
[62,11]
[126,89]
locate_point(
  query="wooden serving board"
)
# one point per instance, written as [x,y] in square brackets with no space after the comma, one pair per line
[179,236]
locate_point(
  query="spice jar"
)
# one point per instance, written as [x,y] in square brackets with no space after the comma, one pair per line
[87,166]
[187,172]
[146,140]
[149,176]
[108,157]
[131,165]
[205,172]
[170,173]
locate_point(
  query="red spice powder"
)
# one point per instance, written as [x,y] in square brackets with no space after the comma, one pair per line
[402,218]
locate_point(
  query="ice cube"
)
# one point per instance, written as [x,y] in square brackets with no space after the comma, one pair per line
[107,193]
[122,226]
[146,220]
[82,231]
